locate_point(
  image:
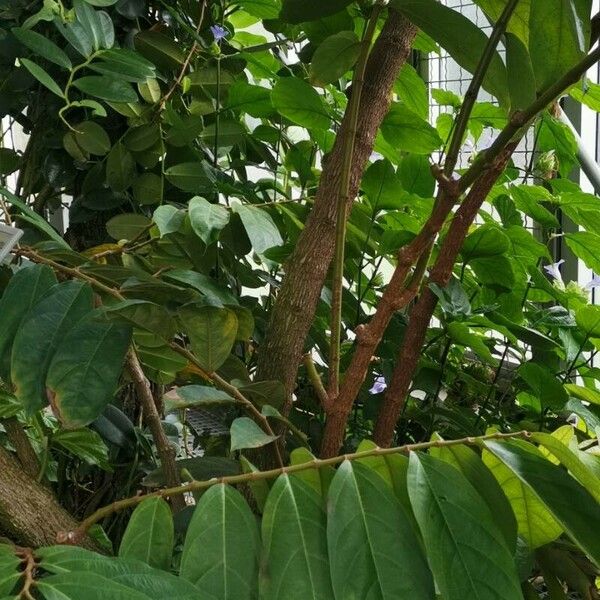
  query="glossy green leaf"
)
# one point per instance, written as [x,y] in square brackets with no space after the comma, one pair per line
[43,330]
[149,536]
[295,543]
[120,168]
[202,396]
[299,102]
[160,49]
[556,44]
[382,185]
[207,219]
[10,571]
[221,550]
[536,525]
[92,138]
[148,190]
[144,315]
[42,46]
[245,433]
[85,444]
[408,132]
[486,240]
[335,56]
[85,369]
[570,503]
[97,25]
[318,479]
[544,385]
[127,226]
[297,11]
[371,556]
[588,319]
[251,99]
[168,219]
[42,76]
[586,246]
[463,40]
[195,177]
[26,288]
[259,226]
[106,88]
[479,476]
[212,332]
[465,548]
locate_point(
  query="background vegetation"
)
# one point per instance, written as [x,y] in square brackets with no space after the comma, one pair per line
[268,234]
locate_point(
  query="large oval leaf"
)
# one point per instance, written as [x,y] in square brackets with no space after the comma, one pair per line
[26,287]
[570,503]
[221,550]
[465,548]
[472,467]
[207,219]
[212,332]
[44,328]
[149,534]
[295,543]
[373,549]
[299,102]
[535,524]
[335,56]
[85,370]
[297,11]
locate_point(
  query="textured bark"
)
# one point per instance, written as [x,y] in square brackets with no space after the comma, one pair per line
[294,309]
[398,293]
[29,513]
[18,438]
[420,317]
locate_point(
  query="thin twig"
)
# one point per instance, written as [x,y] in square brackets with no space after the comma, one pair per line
[195,486]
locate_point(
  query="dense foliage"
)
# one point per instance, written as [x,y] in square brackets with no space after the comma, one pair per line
[270,234]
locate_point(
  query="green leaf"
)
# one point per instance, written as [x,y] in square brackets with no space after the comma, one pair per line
[588,319]
[9,161]
[42,46]
[44,328]
[26,287]
[467,461]
[465,548]
[148,190]
[202,396]
[559,43]
[144,315]
[586,246]
[127,226]
[85,370]
[295,543]
[412,90]
[460,333]
[245,433]
[149,536]
[372,556]
[10,571]
[588,93]
[299,102]
[97,25]
[486,240]
[569,460]
[583,393]
[221,550]
[334,56]
[85,444]
[382,186]
[207,219]
[521,79]
[259,226]
[408,132]
[106,88]
[318,479]
[168,219]
[42,77]
[195,177]
[76,35]
[298,11]
[92,138]
[159,49]
[463,40]
[536,525]
[251,99]
[544,385]
[262,9]
[124,64]
[212,332]
[120,168]
[571,504]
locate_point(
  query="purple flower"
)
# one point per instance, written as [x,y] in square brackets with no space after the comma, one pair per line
[593,283]
[218,32]
[379,385]
[553,271]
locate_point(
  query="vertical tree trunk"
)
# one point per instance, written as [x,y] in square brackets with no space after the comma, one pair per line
[306,270]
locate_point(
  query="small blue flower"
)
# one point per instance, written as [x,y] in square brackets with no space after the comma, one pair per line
[553,271]
[379,385]
[218,32]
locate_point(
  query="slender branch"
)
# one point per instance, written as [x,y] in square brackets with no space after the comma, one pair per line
[194,486]
[16,434]
[315,379]
[476,82]
[165,450]
[521,119]
[337,285]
